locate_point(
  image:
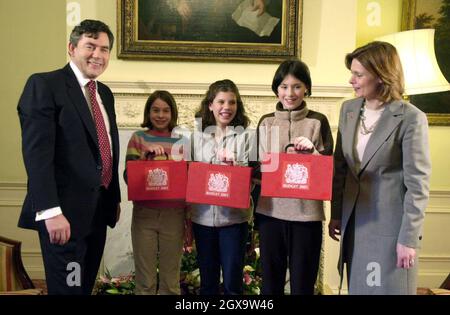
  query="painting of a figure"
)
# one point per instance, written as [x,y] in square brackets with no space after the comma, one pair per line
[221,30]
[211,20]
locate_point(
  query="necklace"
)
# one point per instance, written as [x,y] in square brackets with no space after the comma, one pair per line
[364,130]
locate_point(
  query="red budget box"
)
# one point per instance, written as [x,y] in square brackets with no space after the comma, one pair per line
[157,180]
[221,185]
[303,176]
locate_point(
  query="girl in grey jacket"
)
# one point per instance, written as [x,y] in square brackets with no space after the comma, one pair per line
[221,232]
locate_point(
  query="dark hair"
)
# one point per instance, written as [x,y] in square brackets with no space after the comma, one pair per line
[90,28]
[381,60]
[296,68]
[166,97]
[240,119]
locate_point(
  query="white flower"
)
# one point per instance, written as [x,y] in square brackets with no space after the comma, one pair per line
[257,252]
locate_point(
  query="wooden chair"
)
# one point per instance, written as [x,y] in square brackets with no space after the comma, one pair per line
[446,283]
[13,277]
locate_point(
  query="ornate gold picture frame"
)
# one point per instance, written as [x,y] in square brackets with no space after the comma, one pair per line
[211,30]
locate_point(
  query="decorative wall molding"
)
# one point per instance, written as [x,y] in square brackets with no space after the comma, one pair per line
[12,194]
[147,87]
[439,198]
[13,185]
[439,202]
[10,203]
[434,258]
[258,100]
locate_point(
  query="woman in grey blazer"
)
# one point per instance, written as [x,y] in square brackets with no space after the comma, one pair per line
[381,180]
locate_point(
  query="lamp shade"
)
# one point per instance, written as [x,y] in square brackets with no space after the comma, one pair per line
[420,67]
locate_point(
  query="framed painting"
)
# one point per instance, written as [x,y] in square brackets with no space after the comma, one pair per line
[419,14]
[215,30]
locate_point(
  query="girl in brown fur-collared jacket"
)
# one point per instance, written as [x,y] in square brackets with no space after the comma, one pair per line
[291,229]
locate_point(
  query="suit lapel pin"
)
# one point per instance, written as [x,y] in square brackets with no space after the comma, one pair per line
[351,115]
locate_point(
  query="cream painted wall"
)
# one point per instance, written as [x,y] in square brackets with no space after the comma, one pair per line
[33,39]
[439,148]
[329,29]
[377,18]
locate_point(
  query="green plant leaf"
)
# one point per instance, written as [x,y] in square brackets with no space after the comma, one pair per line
[112,291]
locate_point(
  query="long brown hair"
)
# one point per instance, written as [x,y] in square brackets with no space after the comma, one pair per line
[166,97]
[240,119]
[381,60]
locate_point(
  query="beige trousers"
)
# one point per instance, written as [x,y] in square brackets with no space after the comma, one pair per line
[157,233]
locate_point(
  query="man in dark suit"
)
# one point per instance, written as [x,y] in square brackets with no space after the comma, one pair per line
[70,146]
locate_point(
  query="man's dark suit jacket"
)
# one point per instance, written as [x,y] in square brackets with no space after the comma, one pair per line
[61,153]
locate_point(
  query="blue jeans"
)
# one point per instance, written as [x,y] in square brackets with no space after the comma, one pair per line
[221,247]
